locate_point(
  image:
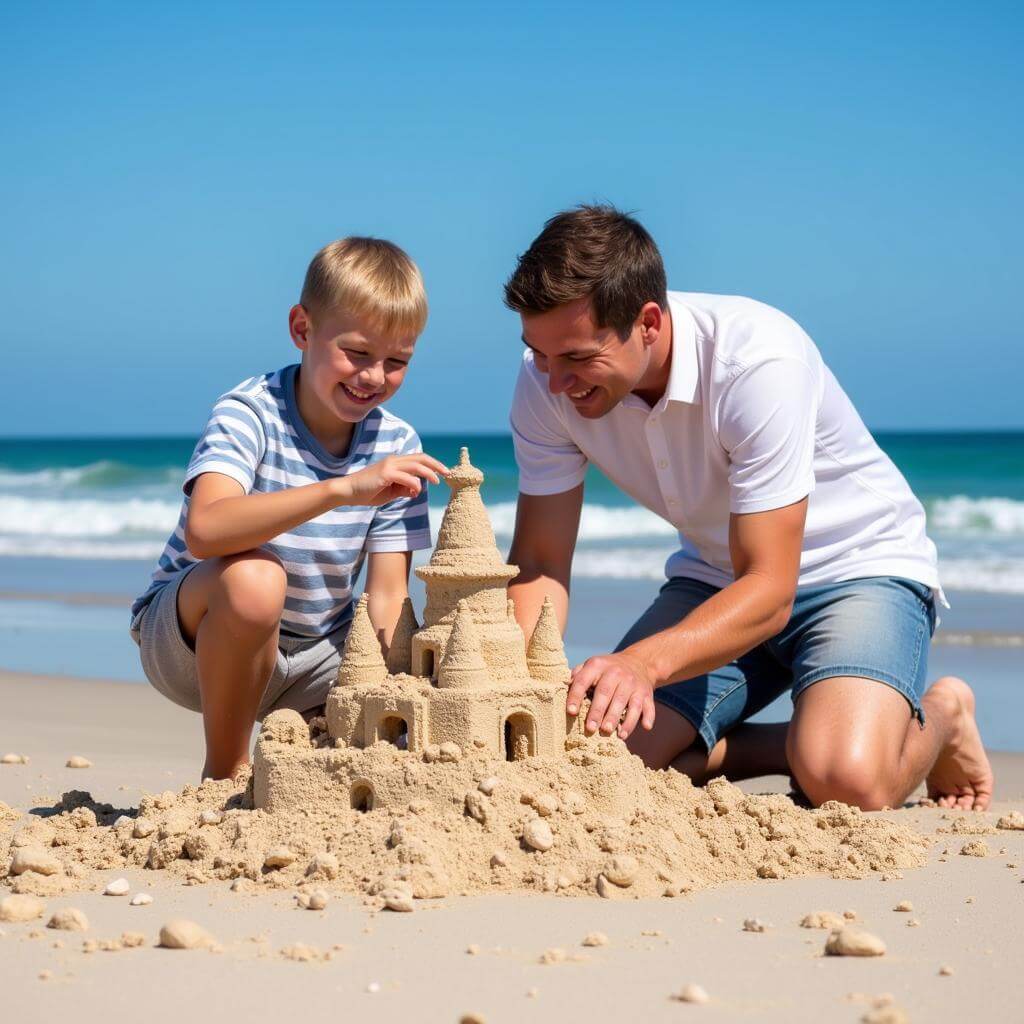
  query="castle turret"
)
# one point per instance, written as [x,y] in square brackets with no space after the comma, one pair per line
[466,566]
[399,657]
[545,657]
[463,665]
[362,660]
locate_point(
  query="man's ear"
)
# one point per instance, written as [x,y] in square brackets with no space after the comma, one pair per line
[299,326]
[651,318]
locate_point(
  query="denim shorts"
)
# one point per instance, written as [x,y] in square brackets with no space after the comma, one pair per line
[875,629]
[305,670]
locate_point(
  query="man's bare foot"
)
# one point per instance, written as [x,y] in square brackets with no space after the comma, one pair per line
[962,776]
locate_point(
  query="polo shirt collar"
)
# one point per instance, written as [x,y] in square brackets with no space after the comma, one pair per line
[684,373]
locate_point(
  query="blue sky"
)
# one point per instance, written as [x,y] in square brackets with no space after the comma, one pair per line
[167,172]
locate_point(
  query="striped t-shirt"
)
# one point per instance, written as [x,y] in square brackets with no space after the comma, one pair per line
[255,435]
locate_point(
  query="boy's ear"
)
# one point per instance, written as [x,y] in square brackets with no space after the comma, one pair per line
[299,326]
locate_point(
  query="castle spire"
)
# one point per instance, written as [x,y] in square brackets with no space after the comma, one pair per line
[361,661]
[462,665]
[465,538]
[545,655]
[399,657]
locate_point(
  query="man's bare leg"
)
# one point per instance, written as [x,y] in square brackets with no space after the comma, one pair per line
[229,610]
[747,752]
[854,740]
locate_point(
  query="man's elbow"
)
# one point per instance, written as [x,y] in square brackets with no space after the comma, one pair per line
[780,615]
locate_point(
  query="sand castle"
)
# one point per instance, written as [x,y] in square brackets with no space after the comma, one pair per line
[465,681]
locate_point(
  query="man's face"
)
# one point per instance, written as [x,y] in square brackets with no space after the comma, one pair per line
[591,365]
[347,366]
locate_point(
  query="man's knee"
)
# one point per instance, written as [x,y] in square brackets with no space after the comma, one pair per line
[861,780]
[251,589]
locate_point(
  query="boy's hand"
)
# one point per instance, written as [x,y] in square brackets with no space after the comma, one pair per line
[621,683]
[397,476]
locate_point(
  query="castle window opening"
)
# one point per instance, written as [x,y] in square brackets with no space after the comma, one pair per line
[395,729]
[520,736]
[362,797]
[426,669]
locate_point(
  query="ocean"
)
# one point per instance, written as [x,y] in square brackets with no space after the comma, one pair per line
[82,520]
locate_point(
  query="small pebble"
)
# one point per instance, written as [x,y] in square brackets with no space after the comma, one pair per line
[14,759]
[118,887]
[472,949]
[77,761]
[913,923]
[399,898]
[34,858]
[537,835]
[753,924]
[489,785]
[140,899]
[945,970]
[183,934]
[595,939]
[853,942]
[21,907]
[143,828]
[70,919]
[904,907]
[975,848]
[278,857]
[472,1018]
[555,955]
[45,975]
[373,987]
[691,993]
[209,817]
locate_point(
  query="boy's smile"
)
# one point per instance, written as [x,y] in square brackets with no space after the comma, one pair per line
[348,368]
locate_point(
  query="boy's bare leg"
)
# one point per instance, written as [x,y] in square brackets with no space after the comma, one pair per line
[854,740]
[230,613]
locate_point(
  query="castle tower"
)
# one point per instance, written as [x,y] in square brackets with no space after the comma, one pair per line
[361,661]
[399,657]
[545,657]
[466,566]
[462,666]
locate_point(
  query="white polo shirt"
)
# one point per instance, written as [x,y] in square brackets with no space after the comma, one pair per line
[752,420]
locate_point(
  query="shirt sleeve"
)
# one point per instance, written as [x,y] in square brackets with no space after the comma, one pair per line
[233,443]
[549,460]
[767,420]
[402,524]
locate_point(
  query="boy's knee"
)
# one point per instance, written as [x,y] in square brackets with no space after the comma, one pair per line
[252,588]
[849,777]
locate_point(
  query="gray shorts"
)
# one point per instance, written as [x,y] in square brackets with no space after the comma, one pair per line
[306,667]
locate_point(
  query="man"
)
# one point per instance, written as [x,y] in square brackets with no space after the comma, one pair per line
[804,562]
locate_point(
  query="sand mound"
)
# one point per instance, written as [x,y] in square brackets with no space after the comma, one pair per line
[677,839]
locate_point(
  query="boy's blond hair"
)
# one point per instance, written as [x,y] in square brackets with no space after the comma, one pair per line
[371,278]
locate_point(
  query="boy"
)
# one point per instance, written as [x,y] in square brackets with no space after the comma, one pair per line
[299,476]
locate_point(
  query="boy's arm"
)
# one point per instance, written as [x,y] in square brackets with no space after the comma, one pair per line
[223,520]
[387,587]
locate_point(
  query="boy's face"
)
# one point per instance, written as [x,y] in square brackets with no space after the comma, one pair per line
[347,366]
[591,365]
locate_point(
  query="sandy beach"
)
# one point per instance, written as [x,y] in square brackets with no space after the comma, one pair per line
[387,965]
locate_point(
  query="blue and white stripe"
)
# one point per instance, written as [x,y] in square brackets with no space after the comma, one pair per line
[255,435]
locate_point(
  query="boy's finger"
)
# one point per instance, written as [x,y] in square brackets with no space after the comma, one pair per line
[407,480]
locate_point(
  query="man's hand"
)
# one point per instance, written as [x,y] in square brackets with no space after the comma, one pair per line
[397,476]
[621,683]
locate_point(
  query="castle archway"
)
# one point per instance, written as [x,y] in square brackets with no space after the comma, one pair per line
[362,796]
[520,736]
[394,729]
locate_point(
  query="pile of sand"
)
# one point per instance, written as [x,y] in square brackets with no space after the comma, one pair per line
[537,824]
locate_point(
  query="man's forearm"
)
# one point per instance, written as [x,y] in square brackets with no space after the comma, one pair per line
[528,591]
[727,625]
[230,525]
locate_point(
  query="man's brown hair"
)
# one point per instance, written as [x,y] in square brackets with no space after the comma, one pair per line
[596,251]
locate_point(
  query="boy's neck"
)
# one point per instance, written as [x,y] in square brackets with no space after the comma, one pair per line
[334,435]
